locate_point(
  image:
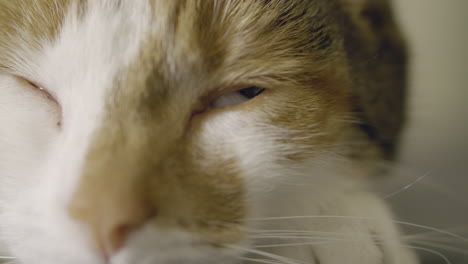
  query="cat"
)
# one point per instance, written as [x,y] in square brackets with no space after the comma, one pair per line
[198,131]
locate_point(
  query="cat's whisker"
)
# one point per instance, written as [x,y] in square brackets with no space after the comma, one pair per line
[436,235]
[310,240]
[298,237]
[299,232]
[390,195]
[255,260]
[441,246]
[432,247]
[431,183]
[429,250]
[291,244]
[437,253]
[305,233]
[283,260]
[333,237]
[267,233]
[445,240]
[362,218]
[295,231]
[307,243]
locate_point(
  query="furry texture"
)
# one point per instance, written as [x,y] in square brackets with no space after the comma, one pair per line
[125,156]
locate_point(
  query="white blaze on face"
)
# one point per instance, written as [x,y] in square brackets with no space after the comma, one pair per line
[40,165]
[84,64]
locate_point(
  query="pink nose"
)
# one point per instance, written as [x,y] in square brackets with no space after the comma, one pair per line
[114,239]
[110,222]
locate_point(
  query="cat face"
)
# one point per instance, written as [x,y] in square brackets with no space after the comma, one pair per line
[155,131]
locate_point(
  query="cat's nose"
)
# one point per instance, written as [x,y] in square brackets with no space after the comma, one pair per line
[110,222]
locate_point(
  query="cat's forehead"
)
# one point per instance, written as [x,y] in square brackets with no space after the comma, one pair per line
[234,39]
[224,43]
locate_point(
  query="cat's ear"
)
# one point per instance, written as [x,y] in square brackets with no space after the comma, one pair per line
[377,54]
[374,15]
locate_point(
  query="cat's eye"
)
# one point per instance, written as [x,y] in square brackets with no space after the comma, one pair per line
[42,91]
[251,92]
[237,97]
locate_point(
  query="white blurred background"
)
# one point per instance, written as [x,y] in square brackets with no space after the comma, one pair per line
[432,182]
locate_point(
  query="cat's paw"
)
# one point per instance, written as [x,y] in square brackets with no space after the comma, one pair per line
[352,229]
[363,246]
[363,233]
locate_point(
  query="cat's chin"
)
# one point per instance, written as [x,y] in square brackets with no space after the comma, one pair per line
[29,243]
[151,245]
[147,246]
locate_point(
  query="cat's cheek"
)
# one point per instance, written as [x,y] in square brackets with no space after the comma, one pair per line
[248,147]
[30,133]
[28,151]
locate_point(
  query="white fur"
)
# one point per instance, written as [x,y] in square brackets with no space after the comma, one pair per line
[40,163]
[78,70]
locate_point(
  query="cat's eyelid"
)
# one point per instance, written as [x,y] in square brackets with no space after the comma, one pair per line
[48,94]
[236,96]
[217,98]
[36,85]
[41,88]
